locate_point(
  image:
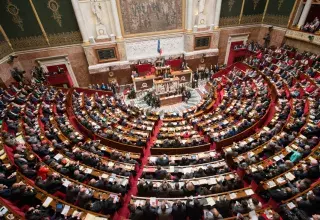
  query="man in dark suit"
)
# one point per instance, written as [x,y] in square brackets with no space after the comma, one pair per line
[71,193]
[179,211]
[194,209]
[160,174]
[162,160]
[176,192]
[313,171]
[84,197]
[281,194]
[149,212]
[136,213]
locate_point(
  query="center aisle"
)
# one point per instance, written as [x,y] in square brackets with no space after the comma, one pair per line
[124,212]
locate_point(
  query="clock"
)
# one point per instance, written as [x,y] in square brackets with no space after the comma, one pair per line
[202,21]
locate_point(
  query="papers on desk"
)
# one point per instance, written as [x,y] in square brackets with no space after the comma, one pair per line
[311,159]
[65,182]
[250,154]
[212,181]
[3,210]
[249,192]
[289,149]
[88,170]
[254,169]
[104,176]
[294,146]
[65,210]
[47,202]
[203,181]
[152,159]
[187,170]
[253,215]
[280,180]
[90,216]
[210,201]
[291,205]
[302,136]
[58,157]
[139,203]
[153,201]
[290,176]
[233,195]
[271,184]
[20,139]
[276,158]
[195,182]
[266,128]
[125,182]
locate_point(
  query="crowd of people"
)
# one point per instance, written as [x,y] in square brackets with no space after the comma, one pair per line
[194,209]
[311,27]
[50,155]
[113,87]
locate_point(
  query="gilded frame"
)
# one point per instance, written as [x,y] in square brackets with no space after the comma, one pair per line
[156,32]
[115,48]
[205,47]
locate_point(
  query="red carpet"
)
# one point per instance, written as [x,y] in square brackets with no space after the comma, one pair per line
[124,212]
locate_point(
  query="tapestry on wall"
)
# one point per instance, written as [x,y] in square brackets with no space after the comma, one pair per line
[145,16]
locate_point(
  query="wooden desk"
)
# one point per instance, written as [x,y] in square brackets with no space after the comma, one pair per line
[180,150]
[171,100]
[185,76]
[236,195]
[167,85]
[142,83]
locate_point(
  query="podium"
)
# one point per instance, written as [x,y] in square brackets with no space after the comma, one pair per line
[167,90]
[147,82]
[166,86]
[160,70]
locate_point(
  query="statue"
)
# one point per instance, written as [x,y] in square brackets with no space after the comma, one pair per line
[100,27]
[267,38]
[201,6]
[97,10]
[201,15]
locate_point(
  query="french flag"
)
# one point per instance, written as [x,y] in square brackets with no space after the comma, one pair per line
[159,48]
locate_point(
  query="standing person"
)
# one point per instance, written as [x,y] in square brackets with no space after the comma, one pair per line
[179,211]
[164,211]
[195,79]
[194,209]
[113,88]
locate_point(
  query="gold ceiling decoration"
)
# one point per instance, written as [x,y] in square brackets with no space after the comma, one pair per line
[14,11]
[230,4]
[54,6]
[280,2]
[255,4]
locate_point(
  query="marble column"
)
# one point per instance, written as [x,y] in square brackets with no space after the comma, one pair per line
[212,11]
[298,13]
[305,13]
[80,20]
[189,15]
[116,18]
[217,14]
